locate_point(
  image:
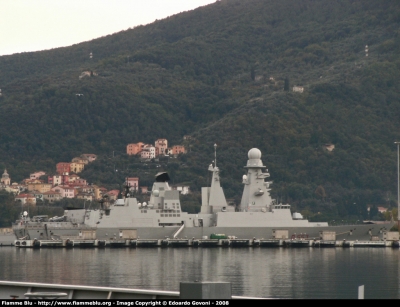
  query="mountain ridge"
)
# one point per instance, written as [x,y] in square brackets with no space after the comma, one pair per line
[218,73]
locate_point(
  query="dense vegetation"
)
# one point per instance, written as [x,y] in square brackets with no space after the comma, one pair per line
[207,73]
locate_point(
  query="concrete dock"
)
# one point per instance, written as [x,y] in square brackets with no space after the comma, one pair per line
[175,243]
[7,237]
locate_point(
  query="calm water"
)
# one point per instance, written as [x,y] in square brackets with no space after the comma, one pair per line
[307,273]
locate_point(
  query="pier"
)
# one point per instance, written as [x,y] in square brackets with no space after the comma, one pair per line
[202,243]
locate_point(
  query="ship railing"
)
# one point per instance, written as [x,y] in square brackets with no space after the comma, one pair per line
[28,290]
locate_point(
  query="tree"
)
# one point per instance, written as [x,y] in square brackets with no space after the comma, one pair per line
[287,85]
[8,210]
[253,73]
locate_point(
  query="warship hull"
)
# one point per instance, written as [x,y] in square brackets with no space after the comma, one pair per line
[257,217]
[344,232]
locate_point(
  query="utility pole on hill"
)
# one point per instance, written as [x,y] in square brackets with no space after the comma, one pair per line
[398,185]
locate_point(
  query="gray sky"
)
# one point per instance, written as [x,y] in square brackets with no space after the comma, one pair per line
[32,25]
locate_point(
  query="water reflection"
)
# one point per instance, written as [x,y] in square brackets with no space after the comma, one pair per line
[261,272]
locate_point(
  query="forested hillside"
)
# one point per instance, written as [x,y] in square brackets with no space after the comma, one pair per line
[224,74]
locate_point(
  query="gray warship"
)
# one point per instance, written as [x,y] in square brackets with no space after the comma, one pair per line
[258,216]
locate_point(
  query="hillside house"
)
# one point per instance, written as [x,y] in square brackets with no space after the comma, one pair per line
[5,179]
[178,149]
[329,147]
[89,157]
[144,190]
[85,189]
[65,191]
[161,146]
[63,168]
[51,196]
[133,183]
[77,167]
[98,191]
[14,188]
[58,179]
[40,187]
[113,194]
[85,195]
[80,160]
[382,209]
[134,148]
[37,175]
[184,190]
[31,181]
[26,199]
[80,182]
[298,89]
[73,178]
[148,152]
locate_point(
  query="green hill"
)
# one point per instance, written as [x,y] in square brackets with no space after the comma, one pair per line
[219,73]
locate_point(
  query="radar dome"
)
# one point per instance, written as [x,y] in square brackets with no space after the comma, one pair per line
[156,193]
[254,153]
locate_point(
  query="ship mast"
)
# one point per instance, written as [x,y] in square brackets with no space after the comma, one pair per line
[215,155]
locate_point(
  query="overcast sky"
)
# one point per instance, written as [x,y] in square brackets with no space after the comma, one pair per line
[32,25]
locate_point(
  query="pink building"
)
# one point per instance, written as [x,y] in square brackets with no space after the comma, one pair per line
[73,178]
[161,146]
[65,191]
[80,182]
[144,190]
[382,209]
[133,183]
[134,148]
[178,149]
[113,194]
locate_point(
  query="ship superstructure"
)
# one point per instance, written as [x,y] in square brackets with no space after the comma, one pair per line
[257,216]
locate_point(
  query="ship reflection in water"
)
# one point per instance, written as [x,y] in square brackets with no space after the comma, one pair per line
[305,273]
